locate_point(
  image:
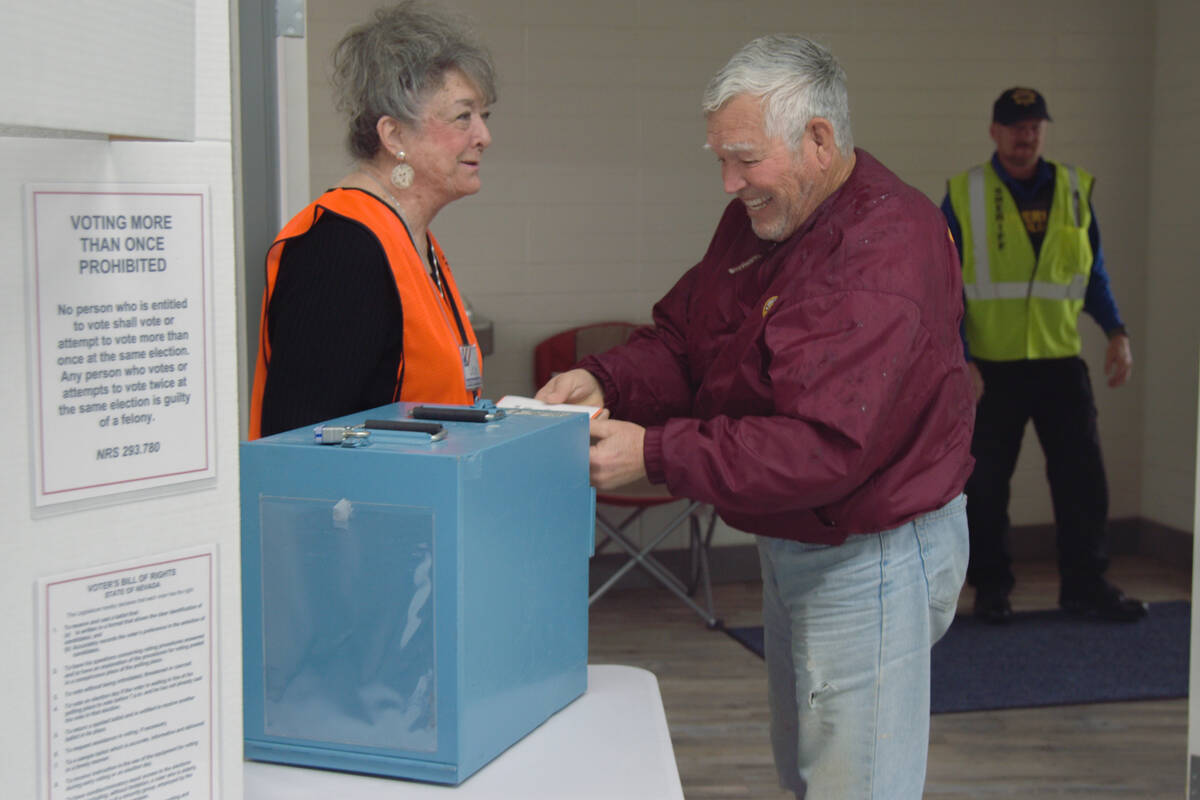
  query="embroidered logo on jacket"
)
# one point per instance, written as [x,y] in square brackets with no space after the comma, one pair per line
[770,302]
[744,264]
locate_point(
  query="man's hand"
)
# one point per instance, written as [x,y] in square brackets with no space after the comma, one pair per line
[1118,362]
[616,453]
[576,386]
[976,379]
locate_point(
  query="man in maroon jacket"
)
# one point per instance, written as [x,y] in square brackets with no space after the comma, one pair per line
[807,379]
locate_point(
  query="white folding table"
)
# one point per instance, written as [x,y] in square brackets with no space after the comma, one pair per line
[610,743]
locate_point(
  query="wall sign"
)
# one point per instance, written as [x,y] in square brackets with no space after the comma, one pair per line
[126,680]
[121,338]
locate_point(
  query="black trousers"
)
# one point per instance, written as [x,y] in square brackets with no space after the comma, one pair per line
[1057,395]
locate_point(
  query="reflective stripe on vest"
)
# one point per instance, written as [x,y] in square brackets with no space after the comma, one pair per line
[984,288]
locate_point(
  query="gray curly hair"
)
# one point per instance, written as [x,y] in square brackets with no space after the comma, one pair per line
[390,65]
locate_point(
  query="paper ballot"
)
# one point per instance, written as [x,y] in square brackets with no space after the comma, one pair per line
[513,401]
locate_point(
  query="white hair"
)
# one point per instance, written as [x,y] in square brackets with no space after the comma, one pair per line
[797,80]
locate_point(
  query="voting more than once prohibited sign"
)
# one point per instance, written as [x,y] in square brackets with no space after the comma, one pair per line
[120,338]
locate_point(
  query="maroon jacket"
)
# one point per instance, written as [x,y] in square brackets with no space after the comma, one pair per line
[812,388]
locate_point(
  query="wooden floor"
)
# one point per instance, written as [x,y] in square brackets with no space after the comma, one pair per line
[714,692]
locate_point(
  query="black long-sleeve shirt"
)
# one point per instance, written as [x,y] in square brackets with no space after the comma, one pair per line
[335,326]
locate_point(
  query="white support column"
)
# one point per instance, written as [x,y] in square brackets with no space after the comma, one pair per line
[291,65]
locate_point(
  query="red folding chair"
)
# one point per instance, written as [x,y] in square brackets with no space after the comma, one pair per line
[562,351]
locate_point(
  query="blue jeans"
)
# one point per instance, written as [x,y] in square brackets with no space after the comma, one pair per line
[847,631]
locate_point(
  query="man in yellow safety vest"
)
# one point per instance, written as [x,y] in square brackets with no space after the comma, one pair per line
[1031,257]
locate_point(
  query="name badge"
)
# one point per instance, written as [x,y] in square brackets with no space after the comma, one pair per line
[472,374]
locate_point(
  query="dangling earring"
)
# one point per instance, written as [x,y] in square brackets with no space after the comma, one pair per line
[402,173]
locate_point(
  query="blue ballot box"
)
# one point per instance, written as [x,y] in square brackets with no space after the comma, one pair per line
[412,608]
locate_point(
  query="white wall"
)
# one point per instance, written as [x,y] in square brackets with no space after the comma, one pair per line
[146,90]
[45,546]
[596,195]
[1173,414]
[1172,327]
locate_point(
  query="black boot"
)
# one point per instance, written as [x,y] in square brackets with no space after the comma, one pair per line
[992,606]
[1101,600]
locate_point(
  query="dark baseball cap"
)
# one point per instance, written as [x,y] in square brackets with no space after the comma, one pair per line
[1017,104]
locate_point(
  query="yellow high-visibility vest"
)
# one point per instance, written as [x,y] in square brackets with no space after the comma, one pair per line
[1018,305]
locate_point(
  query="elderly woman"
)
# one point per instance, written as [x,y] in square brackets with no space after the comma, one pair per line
[360,307]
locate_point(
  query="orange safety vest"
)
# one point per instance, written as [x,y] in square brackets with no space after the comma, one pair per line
[431,366]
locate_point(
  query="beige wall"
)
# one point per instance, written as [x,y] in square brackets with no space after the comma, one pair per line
[597,194]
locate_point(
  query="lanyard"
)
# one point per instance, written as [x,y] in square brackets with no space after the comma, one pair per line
[439,281]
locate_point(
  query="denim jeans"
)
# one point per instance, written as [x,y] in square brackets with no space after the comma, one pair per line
[847,631]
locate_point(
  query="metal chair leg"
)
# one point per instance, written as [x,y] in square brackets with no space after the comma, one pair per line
[640,557]
[643,557]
